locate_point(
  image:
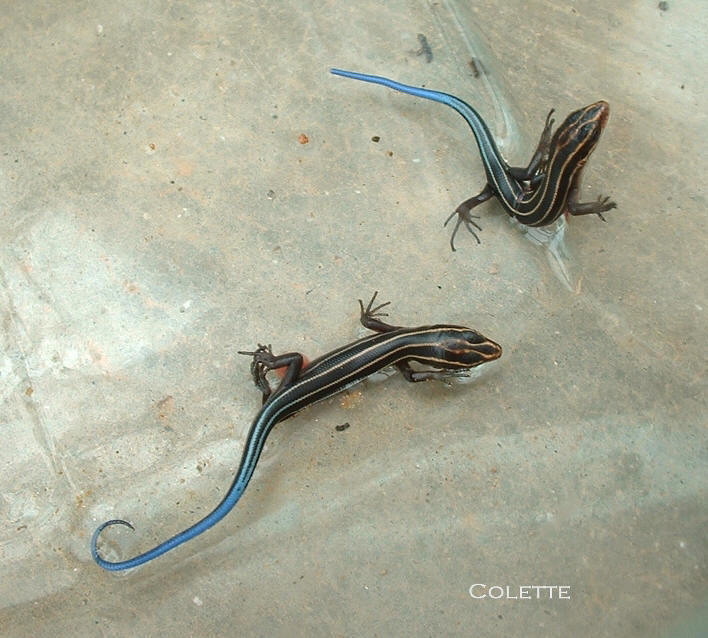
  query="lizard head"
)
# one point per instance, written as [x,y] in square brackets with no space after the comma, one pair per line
[467,348]
[580,132]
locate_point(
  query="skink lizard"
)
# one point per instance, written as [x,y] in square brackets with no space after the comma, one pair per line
[446,350]
[548,187]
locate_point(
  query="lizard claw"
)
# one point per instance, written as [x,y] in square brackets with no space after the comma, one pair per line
[463,217]
[370,312]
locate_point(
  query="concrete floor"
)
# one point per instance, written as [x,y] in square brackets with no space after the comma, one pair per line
[160,211]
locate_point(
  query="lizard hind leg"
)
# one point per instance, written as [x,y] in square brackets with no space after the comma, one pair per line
[264,360]
[464,216]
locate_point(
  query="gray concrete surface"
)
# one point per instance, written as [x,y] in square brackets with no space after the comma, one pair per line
[159,212]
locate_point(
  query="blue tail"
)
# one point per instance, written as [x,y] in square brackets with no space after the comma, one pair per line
[222,509]
[485,141]
[436,96]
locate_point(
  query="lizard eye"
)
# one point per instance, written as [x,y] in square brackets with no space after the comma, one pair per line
[474,337]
